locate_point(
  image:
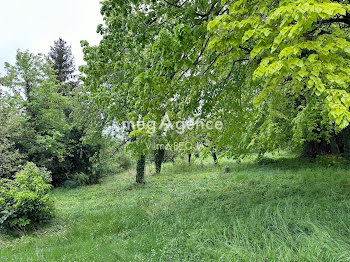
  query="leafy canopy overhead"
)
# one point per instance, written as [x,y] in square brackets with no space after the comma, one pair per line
[302,43]
[213,59]
[151,54]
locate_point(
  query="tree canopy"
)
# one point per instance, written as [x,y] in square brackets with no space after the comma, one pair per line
[275,72]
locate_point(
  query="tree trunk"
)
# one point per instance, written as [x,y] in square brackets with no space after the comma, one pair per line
[334,146]
[140,175]
[214,157]
[346,139]
[158,159]
[189,158]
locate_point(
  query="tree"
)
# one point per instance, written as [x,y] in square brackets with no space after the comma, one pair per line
[301,50]
[10,158]
[148,50]
[159,154]
[63,64]
[43,119]
[85,134]
[140,170]
[53,132]
[267,69]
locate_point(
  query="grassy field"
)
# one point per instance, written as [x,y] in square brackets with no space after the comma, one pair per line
[283,210]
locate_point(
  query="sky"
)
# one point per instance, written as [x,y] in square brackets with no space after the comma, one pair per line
[36,24]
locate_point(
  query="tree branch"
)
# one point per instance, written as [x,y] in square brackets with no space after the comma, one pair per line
[222,54]
[345,19]
[175,5]
[205,16]
[196,62]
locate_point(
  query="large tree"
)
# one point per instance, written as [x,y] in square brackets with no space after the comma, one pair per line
[63,64]
[275,72]
[301,50]
[44,122]
[150,55]
[51,131]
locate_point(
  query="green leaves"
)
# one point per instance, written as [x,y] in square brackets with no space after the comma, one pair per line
[153,60]
[44,125]
[24,201]
[301,49]
[210,60]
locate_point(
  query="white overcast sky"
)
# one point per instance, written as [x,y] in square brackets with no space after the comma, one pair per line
[35,24]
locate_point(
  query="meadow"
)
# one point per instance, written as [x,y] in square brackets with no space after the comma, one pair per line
[282,209]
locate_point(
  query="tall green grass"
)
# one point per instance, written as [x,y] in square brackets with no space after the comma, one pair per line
[281,210]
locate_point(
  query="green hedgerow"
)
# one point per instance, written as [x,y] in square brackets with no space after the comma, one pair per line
[24,201]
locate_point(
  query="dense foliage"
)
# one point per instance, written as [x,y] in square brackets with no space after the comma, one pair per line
[300,56]
[275,72]
[150,55]
[62,61]
[10,158]
[24,201]
[48,116]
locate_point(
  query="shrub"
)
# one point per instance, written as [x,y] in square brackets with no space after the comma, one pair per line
[24,201]
[330,160]
[81,179]
[123,160]
[263,161]
[111,162]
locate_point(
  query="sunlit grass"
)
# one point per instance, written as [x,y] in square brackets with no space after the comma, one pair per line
[283,210]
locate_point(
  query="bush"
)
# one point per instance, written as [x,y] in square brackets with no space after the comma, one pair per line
[24,201]
[330,160]
[123,160]
[263,161]
[81,179]
[111,161]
